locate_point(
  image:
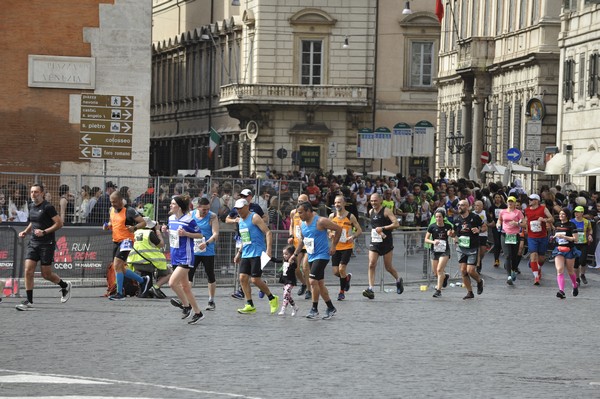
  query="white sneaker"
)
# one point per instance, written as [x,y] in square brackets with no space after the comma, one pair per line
[25,305]
[282,311]
[295,310]
[65,294]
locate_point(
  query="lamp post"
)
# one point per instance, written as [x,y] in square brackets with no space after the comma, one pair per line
[456,144]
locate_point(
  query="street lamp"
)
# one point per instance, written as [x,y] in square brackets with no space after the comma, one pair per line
[407,10]
[456,145]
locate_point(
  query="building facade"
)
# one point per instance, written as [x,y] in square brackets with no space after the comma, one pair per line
[498,83]
[85,47]
[288,84]
[578,136]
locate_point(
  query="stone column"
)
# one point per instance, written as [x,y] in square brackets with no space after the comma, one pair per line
[466,130]
[478,131]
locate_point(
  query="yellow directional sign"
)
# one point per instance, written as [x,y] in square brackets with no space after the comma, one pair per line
[106,126]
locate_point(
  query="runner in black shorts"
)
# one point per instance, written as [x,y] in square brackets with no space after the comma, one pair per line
[383,222]
[44,221]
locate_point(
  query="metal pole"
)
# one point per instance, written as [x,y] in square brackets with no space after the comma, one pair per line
[531,184]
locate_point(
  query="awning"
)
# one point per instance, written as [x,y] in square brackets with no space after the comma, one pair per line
[581,162]
[501,169]
[343,172]
[235,168]
[381,173]
[557,165]
[590,172]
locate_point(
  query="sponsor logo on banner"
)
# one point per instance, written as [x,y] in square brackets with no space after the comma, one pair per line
[75,254]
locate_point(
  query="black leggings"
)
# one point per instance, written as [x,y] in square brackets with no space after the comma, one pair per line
[512,256]
[209,268]
[497,243]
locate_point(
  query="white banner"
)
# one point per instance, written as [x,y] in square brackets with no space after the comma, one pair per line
[402,142]
[365,146]
[423,140]
[382,146]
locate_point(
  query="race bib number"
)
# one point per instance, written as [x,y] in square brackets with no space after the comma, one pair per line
[410,217]
[173,239]
[375,237]
[245,234]
[238,242]
[536,226]
[309,244]
[464,241]
[298,232]
[197,243]
[497,212]
[286,266]
[560,238]
[510,239]
[344,236]
[440,246]
[312,197]
[125,245]
[581,238]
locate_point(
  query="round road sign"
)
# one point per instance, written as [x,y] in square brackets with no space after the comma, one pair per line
[485,157]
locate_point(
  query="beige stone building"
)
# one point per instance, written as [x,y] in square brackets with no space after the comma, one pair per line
[578,135]
[291,77]
[498,83]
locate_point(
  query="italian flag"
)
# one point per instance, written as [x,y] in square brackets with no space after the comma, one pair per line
[215,138]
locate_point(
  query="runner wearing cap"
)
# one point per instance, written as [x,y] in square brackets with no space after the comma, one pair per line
[584,236]
[537,216]
[509,223]
[256,239]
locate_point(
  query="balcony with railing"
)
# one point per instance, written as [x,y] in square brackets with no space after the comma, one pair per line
[287,94]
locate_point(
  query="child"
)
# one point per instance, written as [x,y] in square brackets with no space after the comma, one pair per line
[288,279]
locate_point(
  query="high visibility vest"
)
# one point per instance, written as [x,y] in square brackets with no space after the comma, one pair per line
[143,248]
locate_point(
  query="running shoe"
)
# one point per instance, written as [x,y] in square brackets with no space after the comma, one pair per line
[282,311]
[513,275]
[261,294]
[302,290]
[583,279]
[480,285]
[25,305]
[348,278]
[158,293]
[518,271]
[117,297]
[561,295]
[536,280]
[497,263]
[437,294]
[239,294]
[196,318]
[274,303]
[308,295]
[177,303]
[445,283]
[186,312]
[145,285]
[576,291]
[247,309]
[329,313]
[578,280]
[368,293]
[509,280]
[295,310]
[400,286]
[341,296]
[469,295]
[313,314]
[65,293]
[211,305]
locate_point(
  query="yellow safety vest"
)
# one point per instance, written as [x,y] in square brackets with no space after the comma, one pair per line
[143,248]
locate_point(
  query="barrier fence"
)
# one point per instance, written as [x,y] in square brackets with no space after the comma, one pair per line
[83,254]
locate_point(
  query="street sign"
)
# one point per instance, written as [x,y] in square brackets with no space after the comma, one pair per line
[533,157]
[333,149]
[485,157]
[106,130]
[533,143]
[513,154]
[281,153]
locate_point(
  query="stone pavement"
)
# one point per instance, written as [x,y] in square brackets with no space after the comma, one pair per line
[518,341]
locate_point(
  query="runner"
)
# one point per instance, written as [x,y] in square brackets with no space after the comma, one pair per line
[302,271]
[44,221]
[565,252]
[314,238]
[584,236]
[204,248]
[467,226]
[383,222]
[343,250]
[483,235]
[536,218]
[509,222]
[437,236]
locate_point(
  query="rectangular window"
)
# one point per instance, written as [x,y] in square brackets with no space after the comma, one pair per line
[511,16]
[475,19]
[499,16]
[312,62]
[486,19]
[581,80]
[522,14]
[535,12]
[421,65]
[568,80]
[593,75]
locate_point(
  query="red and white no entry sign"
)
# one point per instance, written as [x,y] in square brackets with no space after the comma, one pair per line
[485,157]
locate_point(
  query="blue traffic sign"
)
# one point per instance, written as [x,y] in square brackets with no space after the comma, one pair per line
[513,154]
